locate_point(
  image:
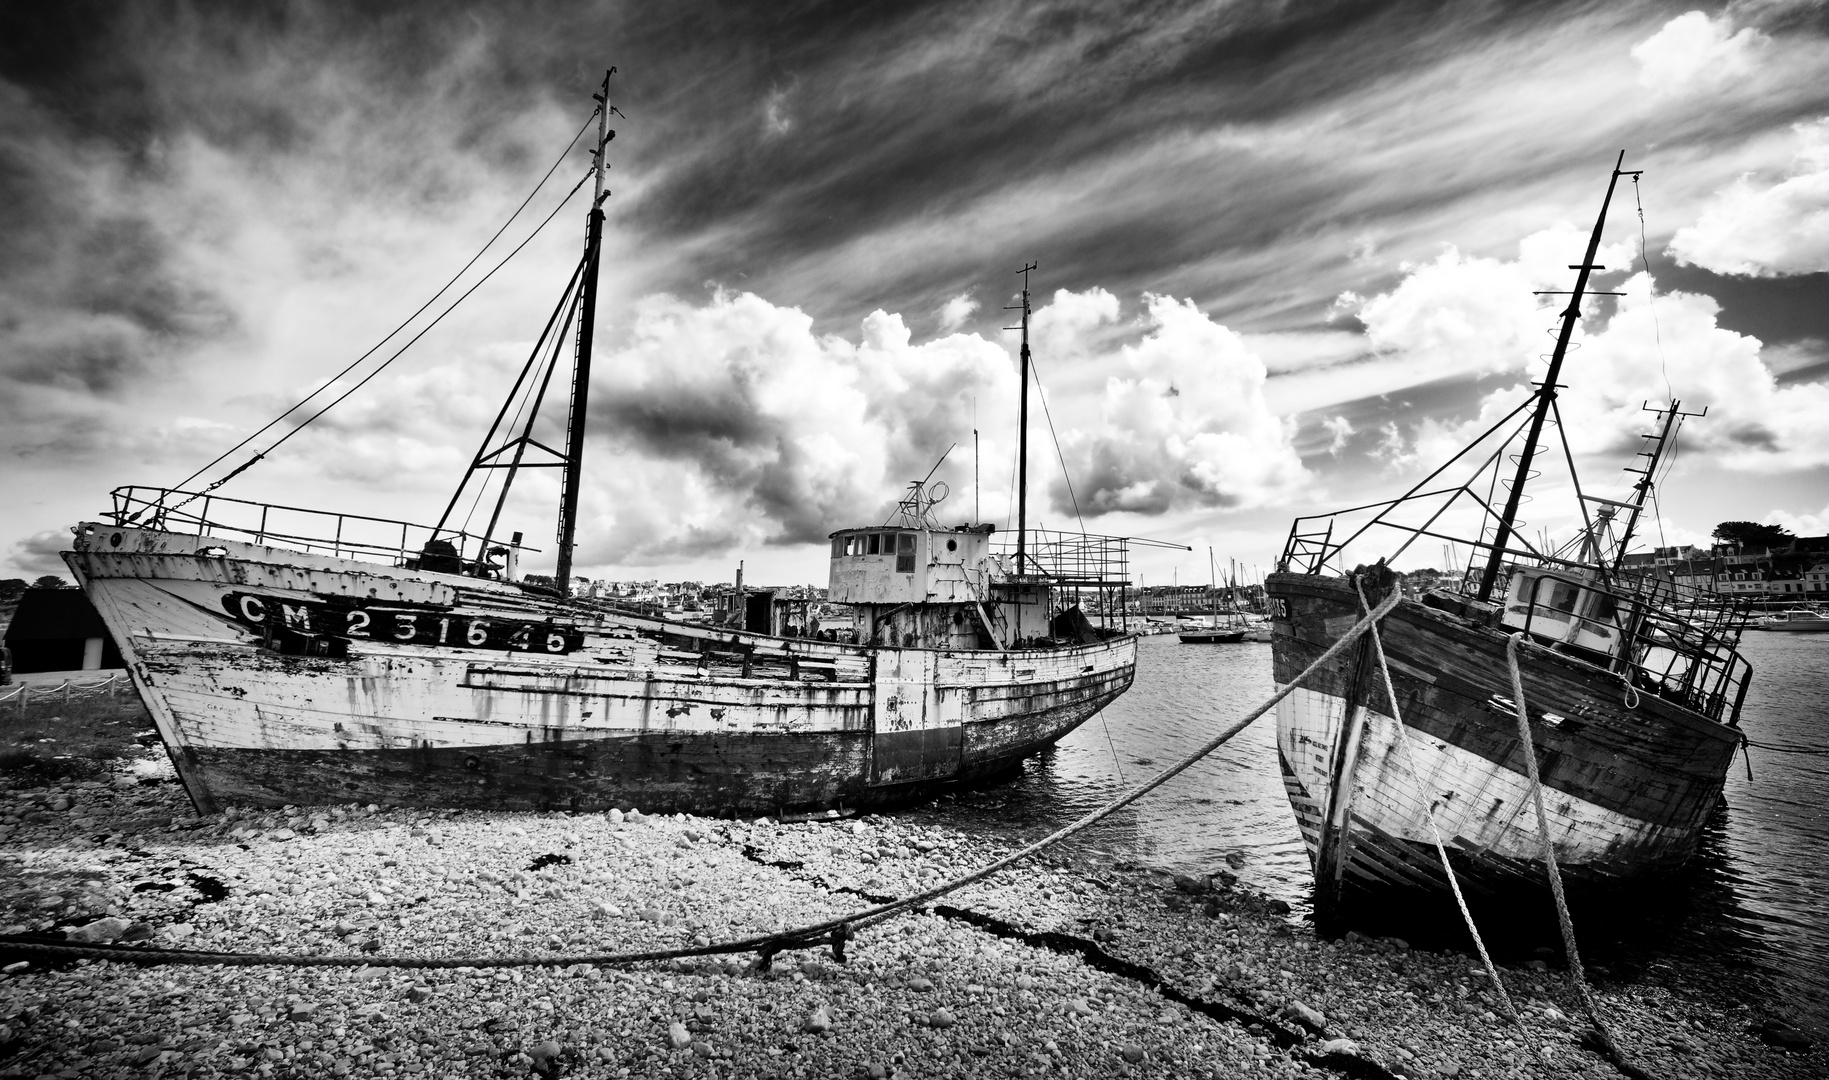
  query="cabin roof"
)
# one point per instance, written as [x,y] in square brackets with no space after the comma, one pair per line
[985,528]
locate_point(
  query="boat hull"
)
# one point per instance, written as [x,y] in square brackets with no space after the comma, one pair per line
[1629,778]
[279,677]
[1212,637]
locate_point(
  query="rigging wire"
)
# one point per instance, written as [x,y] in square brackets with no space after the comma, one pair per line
[526,398]
[1651,288]
[415,338]
[1059,455]
[328,383]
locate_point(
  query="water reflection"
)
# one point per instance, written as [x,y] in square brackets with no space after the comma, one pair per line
[1751,909]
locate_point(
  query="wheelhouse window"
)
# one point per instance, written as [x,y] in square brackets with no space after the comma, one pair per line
[904,553]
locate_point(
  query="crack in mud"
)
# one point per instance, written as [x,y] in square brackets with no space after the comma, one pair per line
[1095,956]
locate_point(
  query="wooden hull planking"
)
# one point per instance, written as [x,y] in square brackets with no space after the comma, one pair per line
[1629,778]
[626,711]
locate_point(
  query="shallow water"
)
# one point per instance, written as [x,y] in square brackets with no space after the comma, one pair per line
[1754,904]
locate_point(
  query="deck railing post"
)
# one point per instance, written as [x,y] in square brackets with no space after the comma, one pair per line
[261,536]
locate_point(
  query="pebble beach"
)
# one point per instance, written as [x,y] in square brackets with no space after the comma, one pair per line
[1062,966]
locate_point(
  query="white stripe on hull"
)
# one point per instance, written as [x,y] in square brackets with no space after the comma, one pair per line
[1482,810]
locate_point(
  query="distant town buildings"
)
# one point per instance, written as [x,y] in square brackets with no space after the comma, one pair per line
[1797,569]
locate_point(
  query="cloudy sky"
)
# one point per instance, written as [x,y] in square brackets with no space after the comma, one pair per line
[1286,256]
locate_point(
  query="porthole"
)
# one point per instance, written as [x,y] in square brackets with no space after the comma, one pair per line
[952,545]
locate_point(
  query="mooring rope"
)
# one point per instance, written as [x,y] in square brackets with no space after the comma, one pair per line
[1601,1032]
[1441,849]
[1780,748]
[834,931]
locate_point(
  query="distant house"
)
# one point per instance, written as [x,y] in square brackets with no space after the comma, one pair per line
[59,630]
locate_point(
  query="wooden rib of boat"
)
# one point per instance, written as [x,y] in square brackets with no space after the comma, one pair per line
[1633,691]
[291,656]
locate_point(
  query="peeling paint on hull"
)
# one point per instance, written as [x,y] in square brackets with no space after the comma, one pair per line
[280,677]
[1627,787]
[711,775]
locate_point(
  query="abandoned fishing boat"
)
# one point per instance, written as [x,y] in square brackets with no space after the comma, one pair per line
[292,656]
[1633,688]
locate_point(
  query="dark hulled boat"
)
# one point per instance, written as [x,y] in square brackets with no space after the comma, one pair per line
[1633,689]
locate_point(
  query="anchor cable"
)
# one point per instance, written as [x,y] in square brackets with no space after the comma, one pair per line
[1602,1034]
[834,931]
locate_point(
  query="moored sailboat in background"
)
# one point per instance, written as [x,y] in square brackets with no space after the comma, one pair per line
[294,656]
[1633,689]
[1224,627]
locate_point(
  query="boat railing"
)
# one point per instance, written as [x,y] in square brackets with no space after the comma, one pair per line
[1069,558]
[1691,659]
[340,535]
[1313,549]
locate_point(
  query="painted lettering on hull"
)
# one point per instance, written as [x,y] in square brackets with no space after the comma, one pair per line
[397,623]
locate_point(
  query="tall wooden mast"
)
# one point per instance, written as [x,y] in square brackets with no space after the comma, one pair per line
[1546,395]
[1022,430]
[581,369]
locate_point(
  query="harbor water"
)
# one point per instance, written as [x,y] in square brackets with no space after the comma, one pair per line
[1750,913]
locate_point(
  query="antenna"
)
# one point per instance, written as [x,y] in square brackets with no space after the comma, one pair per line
[976,517]
[1673,419]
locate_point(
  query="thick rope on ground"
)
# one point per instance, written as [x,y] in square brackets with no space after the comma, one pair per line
[814,935]
[1601,1033]
[1441,849]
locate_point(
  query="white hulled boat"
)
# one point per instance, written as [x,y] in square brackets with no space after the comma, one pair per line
[297,656]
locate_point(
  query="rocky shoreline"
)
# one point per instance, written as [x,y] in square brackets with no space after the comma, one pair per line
[1068,966]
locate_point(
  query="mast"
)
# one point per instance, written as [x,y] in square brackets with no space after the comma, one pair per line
[1546,396]
[1213,595]
[581,369]
[1641,490]
[1023,431]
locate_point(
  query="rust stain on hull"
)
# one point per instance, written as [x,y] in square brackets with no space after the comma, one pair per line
[338,681]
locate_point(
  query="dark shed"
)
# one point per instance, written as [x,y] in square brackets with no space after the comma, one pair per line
[59,630]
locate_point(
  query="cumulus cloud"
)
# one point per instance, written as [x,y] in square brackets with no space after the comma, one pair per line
[1805,524]
[732,422]
[1339,429]
[1766,230]
[1650,346]
[1694,52]
[954,312]
[1185,426]
[1470,315]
